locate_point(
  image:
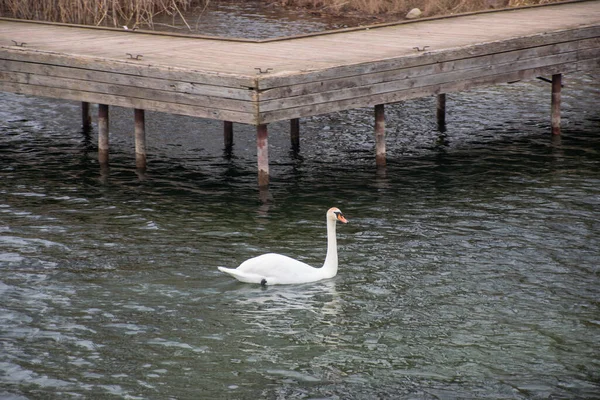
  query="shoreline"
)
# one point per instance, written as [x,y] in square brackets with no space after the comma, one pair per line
[355,12]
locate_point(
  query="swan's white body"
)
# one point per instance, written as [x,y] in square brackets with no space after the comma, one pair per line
[277,269]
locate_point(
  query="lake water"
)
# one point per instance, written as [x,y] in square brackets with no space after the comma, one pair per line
[256,20]
[470,268]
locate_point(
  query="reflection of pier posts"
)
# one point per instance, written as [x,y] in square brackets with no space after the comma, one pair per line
[555,106]
[295,134]
[262,154]
[86,116]
[441,112]
[140,138]
[228,135]
[103,134]
[380,136]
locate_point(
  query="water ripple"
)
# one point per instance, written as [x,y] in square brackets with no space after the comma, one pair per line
[468,270]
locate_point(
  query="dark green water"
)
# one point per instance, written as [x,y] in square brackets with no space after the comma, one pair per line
[471,269]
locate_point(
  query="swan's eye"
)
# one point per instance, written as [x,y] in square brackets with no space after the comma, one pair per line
[338,214]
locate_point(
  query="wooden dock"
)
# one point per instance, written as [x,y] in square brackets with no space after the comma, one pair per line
[262,81]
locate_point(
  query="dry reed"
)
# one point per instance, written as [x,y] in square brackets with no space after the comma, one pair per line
[95,12]
[135,13]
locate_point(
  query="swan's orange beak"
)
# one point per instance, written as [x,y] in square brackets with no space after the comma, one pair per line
[341,218]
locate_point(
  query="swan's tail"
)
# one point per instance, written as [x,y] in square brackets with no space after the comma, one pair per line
[242,276]
[230,271]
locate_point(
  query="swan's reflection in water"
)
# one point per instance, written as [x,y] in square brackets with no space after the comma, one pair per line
[275,302]
[292,313]
[288,328]
[301,335]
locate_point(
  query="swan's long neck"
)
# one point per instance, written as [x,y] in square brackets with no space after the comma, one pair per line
[330,266]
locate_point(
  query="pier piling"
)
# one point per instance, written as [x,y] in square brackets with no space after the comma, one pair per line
[555,106]
[362,68]
[103,134]
[380,136]
[140,138]
[262,153]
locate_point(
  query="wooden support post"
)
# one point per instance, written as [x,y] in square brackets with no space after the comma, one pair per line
[140,138]
[380,135]
[555,107]
[103,134]
[441,112]
[262,152]
[295,134]
[228,135]
[86,116]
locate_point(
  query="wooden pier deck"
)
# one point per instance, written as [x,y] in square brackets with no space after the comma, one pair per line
[261,81]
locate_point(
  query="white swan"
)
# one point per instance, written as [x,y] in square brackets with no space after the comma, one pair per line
[277,269]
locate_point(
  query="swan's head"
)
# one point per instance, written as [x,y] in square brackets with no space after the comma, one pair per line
[335,214]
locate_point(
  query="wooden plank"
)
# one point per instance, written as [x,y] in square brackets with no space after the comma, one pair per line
[127,67]
[418,81]
[157,49]
[428,57]
[130,102]
[126,91]
[589,43]
[207,54]
[412,72]
[134,67]
[586,54]
[313,74]
[588,57]
[401,95]
[176,86]
[377,26]
[315,52]
[588,65]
